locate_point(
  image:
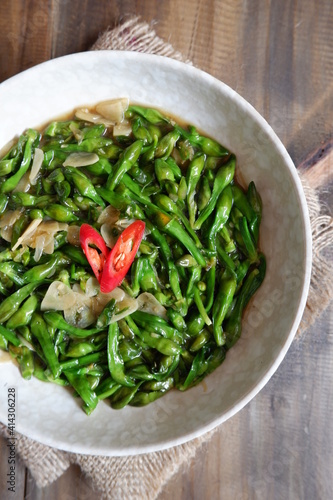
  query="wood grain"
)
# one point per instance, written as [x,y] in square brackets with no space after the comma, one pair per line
[278,56]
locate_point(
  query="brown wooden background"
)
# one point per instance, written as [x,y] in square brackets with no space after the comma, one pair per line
[278,54]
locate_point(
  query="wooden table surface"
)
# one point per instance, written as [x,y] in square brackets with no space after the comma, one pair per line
[279,56]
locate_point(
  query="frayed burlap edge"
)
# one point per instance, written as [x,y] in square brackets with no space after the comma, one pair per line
[137,36]
[321,288]
[143,476]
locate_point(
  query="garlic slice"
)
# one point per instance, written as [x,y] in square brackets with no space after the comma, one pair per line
[58,297]
[113,109]
[124,308]
[81,159]
[9,218]
[86,115]
[80,314]
[123,128]
[28,232]
[108,235]
[73,235]
[109,215]
[24,184]
[36,166]
[148,303]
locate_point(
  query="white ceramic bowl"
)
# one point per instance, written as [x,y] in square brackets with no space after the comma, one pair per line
[48,413]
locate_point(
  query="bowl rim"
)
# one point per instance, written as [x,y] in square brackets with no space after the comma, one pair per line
[297,184]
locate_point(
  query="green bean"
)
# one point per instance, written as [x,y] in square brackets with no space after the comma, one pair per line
[60,213]
[14,271]
[204,193]
[9,336]
[42,271]
[222,303]
[107,388]
[123,396]
[200,306]
[256,203]
[125,162]
[198,367]
[82,387]
[23,316]
[107,314]
[115,362]
[145,398]
[83,185]
[25,359]
[169,206]
[150,322]
[251,284]
[167,258]
[18,228]
[55,319]
[192,178]
[247,239]
[163,345]
[223,177]
[40,331]
[12,303]
[151,115]
[11,182]
[173,228]
[87,359]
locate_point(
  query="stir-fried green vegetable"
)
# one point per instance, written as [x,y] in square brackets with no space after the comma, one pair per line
[177,280]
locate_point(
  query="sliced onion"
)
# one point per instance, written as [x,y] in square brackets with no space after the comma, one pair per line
[36,166]
[113,109]
[58,297]
[28,232]
[123,128]
[148,303]
[80,159]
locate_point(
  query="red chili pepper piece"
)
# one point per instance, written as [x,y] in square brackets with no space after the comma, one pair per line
[96,254]
[121,256]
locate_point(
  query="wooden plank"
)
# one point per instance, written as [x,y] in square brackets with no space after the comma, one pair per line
[71,485]
[19,476]
[318,166]
[281,61]
[25,34]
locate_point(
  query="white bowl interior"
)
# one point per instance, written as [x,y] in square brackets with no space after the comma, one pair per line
[48,413]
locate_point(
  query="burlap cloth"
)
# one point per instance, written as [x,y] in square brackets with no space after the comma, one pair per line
[143,476]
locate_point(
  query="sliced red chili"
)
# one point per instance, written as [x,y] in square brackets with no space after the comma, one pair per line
[94,248]
[121,256]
